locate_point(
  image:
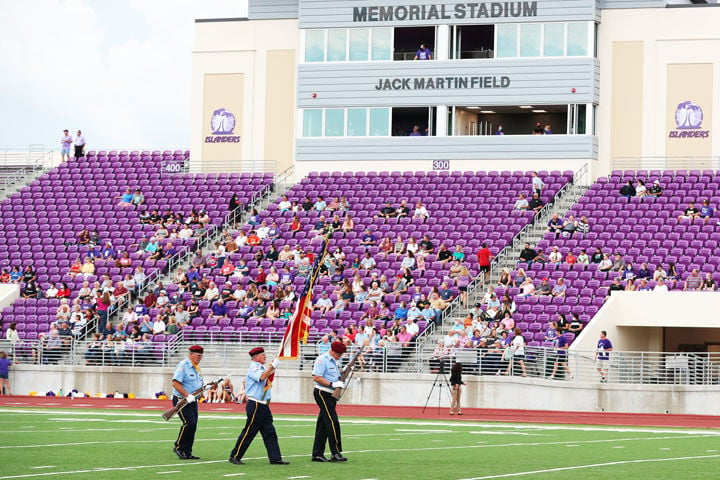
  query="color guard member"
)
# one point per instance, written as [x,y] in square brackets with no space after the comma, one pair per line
[186,380]
[326,377]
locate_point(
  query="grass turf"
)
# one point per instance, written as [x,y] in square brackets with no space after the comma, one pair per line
[54,443]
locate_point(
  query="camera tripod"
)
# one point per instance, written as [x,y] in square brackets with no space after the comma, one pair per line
[440,381]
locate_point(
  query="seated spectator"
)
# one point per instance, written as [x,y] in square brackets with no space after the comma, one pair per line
[138,198]
[386,246]
[582,226]
[615,286]
[540,257]
[694,281]
[126,198]
[660,287]
[527,254]
[521,203]
[323,304]
[30,290]
[598,256]
[83,238]
[583,258]
[319,204]
[644,287]
[505,279]
[627,190]
[368,239]
[605,264]
[709,283]
[527,288]
[51,291]
[640,190]
[576,325]
[706,211]
[570,258]
[554,225]
[690,213]
[544,288]
[348,225]
[559,289]
[569,227]
[555,256]
[420,211]
[644,273]
[387,212]
[655,190]
[628,272]
[630,286]
[618,264]
[535,203]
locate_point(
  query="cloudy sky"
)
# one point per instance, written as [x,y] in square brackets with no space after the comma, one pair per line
[119,70]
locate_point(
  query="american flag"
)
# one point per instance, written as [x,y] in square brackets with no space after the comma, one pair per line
[298,328]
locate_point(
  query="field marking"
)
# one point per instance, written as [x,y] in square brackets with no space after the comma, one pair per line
[394,450]
[299,476]
[279,419]
[233,475]
[44,466]
[169,471]
[592,465]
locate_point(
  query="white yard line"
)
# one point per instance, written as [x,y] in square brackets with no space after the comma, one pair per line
[391,450]
[593,465]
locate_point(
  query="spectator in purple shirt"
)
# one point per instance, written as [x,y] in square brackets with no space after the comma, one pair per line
[423,53]
[602,356]
[706,211]
[219,309]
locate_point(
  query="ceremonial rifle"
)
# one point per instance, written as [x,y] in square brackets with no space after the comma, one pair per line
[347,373]
[183,401]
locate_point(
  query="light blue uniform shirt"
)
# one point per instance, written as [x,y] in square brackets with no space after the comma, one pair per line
[326,367]
[255,388]
[186,374]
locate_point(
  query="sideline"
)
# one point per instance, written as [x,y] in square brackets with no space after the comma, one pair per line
[592,465]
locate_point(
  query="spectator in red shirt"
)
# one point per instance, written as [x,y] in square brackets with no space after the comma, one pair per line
[484,257]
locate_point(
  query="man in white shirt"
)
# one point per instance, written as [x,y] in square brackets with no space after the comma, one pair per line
[263,230]
[66,142]
[324,304]
[660,287]
[412,327]
[79,145]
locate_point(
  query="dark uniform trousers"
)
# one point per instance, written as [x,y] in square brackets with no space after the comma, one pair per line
[189,417]
[327,428]
[259,419]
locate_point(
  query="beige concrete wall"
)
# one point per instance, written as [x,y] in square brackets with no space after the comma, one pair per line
[397,389]
[255,50]
[8,294]
[668,37]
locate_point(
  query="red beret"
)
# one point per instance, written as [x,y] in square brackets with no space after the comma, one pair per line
[338,347]
[197,349]
[256,351]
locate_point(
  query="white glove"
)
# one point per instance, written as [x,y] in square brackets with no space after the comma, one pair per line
[190,398]
[338,384]
[276,363]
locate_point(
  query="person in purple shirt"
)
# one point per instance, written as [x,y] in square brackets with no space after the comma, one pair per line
[706,211]
[423,53]
[368,239]
[192,274]
[602,356]
[219,309]
[561,348]
[416,131]
[5,374]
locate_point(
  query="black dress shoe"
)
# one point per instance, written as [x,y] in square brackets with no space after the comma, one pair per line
[338,457]
[320,459]
[280,462]
[180,454]
[192,457]
[235,462]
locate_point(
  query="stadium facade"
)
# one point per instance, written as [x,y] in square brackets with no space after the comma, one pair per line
[333,85]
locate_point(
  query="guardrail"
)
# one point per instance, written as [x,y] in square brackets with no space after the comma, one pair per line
[666,163]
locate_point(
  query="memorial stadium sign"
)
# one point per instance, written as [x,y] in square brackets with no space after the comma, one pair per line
[222,125]
[440,83]
[688,118]
[399,13]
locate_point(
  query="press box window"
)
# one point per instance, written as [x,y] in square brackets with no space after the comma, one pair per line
[382,43]
[577,39]
[506,41]
[315,46]
[359,38]
[335,122]
[554,42]
[312,123]
[357,122]
[379,122]
[337,45]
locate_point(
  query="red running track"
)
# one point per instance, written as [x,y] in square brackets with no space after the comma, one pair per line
[379,411]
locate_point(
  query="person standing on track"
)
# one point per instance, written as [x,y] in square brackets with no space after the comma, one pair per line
[326,377]
[456,384]
[186,380]
[259,417]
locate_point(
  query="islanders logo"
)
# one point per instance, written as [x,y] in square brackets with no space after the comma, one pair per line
[222,125]
[688,118]
[222,122]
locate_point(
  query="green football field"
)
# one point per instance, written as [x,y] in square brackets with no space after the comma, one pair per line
[122,444]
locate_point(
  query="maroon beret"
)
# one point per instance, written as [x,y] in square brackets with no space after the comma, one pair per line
[338,347]
[197,349]
[256,351]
